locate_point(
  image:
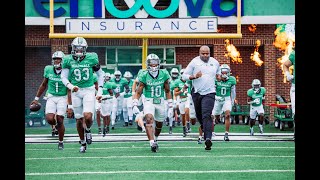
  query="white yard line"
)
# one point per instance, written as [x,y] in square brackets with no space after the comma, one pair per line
[164,171]
[131,157]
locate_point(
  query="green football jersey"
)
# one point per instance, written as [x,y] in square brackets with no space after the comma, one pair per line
[55,85]
[154,87]
[129,94]
[292,58]
[81,72]
[254,95]
[108,85]
[172,84]
[223,88]
[180,84]
[120,84]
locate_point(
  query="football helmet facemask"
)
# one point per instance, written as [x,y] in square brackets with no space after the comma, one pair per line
[153,60]
[225,71]
[79,47]
[117,75]
[58,55]
[256,84]
[174,72]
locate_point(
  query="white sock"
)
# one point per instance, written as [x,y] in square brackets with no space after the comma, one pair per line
[227,132]
[156,138]
[60,141]
[200,137]
[151,142]
[260,125]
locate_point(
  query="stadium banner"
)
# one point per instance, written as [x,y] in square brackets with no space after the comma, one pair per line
[167,25]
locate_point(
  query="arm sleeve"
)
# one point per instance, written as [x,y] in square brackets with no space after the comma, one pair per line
[65,76]
[233,93]
[100,75]
[218,69]
[188,71]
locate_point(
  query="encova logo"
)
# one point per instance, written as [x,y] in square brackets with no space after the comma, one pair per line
[194,9]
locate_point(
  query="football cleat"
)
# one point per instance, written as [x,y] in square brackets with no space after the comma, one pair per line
[88,136]
[125,124]
[188,127]
[83,148]
[208,144]
[99,131]
[104,131]
[261,130]
[60,146]
[155,147]
[226,138]
[184,131]
[112,127]
[251,132]
[170,130]
[199,141]
[130,122]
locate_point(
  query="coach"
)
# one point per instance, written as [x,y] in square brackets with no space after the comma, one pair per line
[203,70]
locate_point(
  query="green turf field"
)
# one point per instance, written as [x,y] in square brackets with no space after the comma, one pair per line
[175,160]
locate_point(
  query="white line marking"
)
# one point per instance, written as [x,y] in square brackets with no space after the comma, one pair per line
[166,171]
[124,157]
[183,147]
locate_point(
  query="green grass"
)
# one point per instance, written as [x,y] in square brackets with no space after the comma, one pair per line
[175,160]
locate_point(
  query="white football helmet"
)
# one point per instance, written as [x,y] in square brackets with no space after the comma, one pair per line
[107,76]
[256,84]
[127,75]
[79,47]
[225,71]
[117,75]
[151,60]
[57,55]
[174,72]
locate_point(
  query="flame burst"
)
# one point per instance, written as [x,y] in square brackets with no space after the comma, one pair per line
[285,42]
[237,78]
[252,28]
[232,52]
[255,56]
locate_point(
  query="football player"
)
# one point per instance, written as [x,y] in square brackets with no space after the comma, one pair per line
[56,97]
[286,65]
[127,99]
[106,102]
[255,97]
[154,82]
[77,75]
[122,86]
[225,95]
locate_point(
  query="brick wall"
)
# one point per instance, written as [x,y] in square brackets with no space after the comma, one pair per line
[36,58]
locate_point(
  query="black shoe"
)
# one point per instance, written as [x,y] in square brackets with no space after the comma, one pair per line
[155,147]
[99,130]
[104,132]
[208,144]
[170,130]
[130,122]
[60,146]
[188,127]
[226,138]
[88,136]
[112,127]
[107,130]
[54,132]
[184,131]
[125,124]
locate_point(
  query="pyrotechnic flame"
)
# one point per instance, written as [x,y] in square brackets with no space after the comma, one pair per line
[255,56]
[285,42]
[232,52]
[237,78]
[252,28]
